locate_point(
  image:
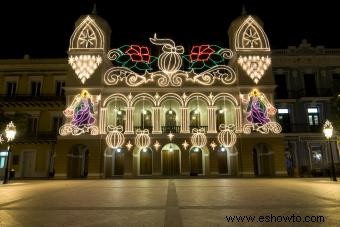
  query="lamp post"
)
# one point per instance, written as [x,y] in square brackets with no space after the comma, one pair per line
[10,134]
[328,131]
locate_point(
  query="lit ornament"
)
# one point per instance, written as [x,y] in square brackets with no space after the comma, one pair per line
[213,145]
[198,138]
[254,66]
[227,136]
[185,144]
[129,145]
[115,137]
[142,139]
[84,65]
[170,61]
[156,145]
[1,139]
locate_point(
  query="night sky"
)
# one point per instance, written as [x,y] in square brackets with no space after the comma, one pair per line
[24,29]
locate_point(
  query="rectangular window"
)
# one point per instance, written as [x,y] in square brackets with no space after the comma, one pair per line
[59,91]
[313,117]
[35,88]
[57,123]
[2,162]
[282,111]
[11,89]
[32,125]
[310,85]
[284,119]
[281,89]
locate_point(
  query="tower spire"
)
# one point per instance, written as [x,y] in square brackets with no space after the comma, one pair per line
[244,11]
[94,10]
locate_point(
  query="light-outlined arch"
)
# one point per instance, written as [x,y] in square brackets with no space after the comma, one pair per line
[117,96]
[228,96]
[87,35]
[170,96]
[140,97]
[250,36]
[200,95]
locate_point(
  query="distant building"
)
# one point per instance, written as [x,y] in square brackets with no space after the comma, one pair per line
[161,110]
[308,80]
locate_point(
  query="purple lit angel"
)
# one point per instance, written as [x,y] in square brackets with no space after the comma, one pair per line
[257,112]
[83,112]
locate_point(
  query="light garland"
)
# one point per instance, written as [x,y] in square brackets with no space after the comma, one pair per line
[135,57]
[84,65]
[254,66]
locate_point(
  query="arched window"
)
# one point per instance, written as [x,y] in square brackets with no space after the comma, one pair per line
[120,117]
[195,119]
[146,119]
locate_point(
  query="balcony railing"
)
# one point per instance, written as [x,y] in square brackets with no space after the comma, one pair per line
[30,98]
[36,136]
[172,129]
[198,127]
[297,128]
[142,128]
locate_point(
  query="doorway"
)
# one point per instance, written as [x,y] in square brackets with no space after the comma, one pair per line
[196,161]
[145,161]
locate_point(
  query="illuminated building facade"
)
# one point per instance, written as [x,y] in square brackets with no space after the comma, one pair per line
[153,110]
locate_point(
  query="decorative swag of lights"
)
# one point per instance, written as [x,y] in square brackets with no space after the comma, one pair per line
[206,65]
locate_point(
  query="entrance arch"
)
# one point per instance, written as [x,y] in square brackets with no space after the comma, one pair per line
[114,162]
[171,156]
[263,160]
[196,166]
[145,161]
[78,159]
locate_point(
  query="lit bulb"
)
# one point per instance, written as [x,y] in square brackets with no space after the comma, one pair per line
[119,150]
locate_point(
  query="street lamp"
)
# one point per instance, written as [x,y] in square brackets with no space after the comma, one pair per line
[10,135]
[328,131]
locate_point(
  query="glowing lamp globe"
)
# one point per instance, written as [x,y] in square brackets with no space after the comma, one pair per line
[10,131]
[328,129]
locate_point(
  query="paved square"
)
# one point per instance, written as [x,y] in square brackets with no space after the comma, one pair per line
[170,203]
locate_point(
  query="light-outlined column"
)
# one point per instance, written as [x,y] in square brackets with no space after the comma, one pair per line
[211,119]
[238,122]
[184,120]
[156,119]
[102,120]
[129,120]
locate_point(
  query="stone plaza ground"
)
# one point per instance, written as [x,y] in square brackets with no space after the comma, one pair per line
[170,202]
